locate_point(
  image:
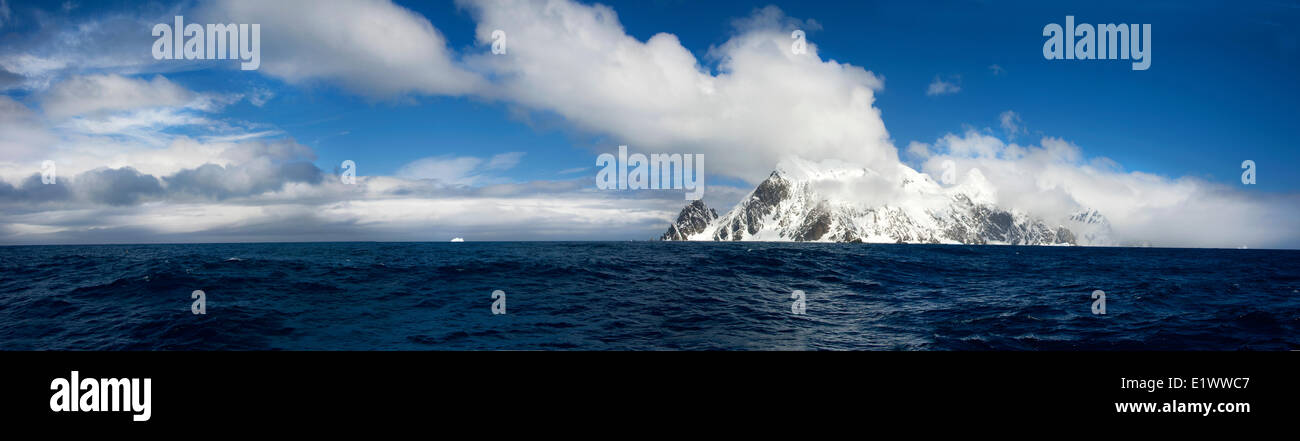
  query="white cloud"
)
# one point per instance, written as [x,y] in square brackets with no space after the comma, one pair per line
[747,104]
[1053,180]
[460,170]
[106,43]
[564,57]
[373,47]
[96,94]
[1011,124]
[942,87]
[142,124]
[23,135]
[654,93]
[158,155]
[452,170]
[918,149]
[556,216]
[975,144]
[505,161]
[109,121]
[655,96]
[258,97]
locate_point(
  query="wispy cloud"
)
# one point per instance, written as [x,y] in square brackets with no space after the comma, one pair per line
[941,86]
[5,12]
[460,170]
[94,94]
[1011,124]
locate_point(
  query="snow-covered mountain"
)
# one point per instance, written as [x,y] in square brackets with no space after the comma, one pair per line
[1090,228]
[803,201]
[693,219]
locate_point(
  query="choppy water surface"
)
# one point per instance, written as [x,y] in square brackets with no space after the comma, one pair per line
[645,295]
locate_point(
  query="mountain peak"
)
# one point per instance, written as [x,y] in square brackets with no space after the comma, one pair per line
[833,201]
[693,219]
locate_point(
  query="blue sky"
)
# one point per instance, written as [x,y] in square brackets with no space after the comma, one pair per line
[1221,87]
[1212,99]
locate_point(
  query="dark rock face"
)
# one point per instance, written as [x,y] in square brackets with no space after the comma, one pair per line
[980,224]
[765,198]
[693,219]
[816,225]
[1064,235]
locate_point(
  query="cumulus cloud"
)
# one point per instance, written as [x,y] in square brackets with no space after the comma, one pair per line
[918,149]
[119,186]
[373,47]
[764,103]
[257,177]
[565,58]
[33,191]
[123,186]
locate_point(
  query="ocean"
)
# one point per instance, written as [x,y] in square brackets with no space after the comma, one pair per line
[645,296]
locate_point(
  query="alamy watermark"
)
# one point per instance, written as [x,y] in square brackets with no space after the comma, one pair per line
[200,305]
[211,42]
[1102,42]
[800,304]
[949,175]
[800,44]
[498,42]
[348,174]
[49,174]
[656,172]
[498,302]
[75,394]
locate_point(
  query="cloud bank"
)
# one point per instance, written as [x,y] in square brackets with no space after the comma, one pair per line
[1053,179]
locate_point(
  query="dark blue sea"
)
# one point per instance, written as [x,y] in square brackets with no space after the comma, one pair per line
[645,296]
